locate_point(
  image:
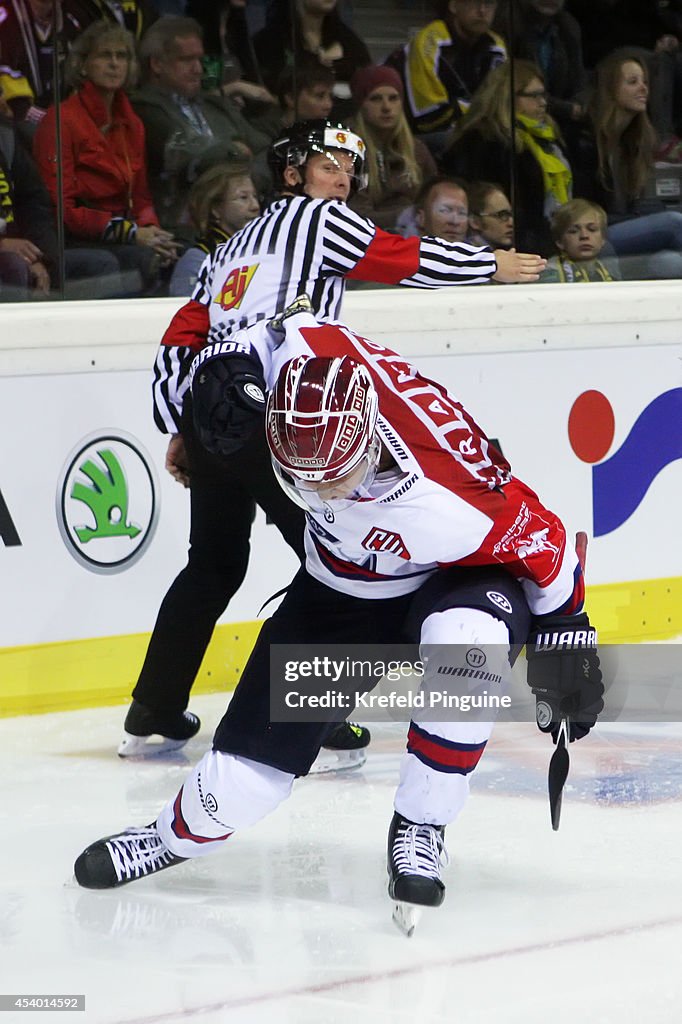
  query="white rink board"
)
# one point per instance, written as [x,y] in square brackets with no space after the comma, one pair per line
[517,357]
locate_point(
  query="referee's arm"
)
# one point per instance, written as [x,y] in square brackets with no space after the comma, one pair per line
[423,262]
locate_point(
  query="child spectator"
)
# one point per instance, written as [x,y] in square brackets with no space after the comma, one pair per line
[397,163]
[221,202]
[491,218]
[579,231]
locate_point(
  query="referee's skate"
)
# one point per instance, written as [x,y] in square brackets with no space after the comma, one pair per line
[148,732]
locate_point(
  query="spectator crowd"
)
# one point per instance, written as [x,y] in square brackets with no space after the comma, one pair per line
[133,136]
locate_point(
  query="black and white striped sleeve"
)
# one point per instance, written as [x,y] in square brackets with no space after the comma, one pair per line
[345,237]
[423,262]
[444,263]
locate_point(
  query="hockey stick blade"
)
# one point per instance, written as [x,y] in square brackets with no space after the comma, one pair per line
[558,773]
[581,548]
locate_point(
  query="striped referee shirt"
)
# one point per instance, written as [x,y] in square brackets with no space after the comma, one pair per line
[297,245]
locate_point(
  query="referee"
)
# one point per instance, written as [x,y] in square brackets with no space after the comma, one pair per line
[309,241]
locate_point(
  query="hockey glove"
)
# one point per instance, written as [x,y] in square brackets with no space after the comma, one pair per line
[228,398]
[564,673]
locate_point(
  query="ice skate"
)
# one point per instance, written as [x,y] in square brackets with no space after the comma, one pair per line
[171,730]
[343,749]
[416,855]
[118,859]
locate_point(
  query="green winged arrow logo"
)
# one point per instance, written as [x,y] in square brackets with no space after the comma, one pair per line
[106,497]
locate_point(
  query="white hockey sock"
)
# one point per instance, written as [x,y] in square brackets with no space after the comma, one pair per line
[223,793]
[434,784]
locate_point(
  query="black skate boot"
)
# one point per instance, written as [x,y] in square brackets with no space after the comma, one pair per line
[174,729]
[416,854]
[116,860]
[344,748]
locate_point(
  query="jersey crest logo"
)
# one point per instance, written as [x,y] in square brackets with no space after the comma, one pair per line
[237,281]
[531,535]
[386,541]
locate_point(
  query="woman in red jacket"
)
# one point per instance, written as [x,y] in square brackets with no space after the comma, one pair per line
[104,181]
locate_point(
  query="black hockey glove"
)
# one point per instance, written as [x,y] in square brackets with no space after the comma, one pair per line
[228,398]
[564,673]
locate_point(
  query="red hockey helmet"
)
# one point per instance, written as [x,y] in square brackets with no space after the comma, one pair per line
[320,423]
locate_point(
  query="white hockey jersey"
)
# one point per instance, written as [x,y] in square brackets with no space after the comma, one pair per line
[451,498]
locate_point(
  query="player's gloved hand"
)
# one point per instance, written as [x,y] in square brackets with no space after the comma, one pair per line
[564,673]
[228,397]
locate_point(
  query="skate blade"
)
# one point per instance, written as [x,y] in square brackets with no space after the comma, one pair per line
[338,761]
[406,917]
[146,746]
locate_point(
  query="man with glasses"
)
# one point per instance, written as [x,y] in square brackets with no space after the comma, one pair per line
[491,219]
[443,66]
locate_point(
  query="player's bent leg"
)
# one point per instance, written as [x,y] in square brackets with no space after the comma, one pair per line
[441,755]
[222,794]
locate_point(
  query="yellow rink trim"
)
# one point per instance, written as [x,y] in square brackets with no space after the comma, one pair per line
[93,673]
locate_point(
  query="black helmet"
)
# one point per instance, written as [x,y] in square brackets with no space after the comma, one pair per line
[228,398]
[304,138]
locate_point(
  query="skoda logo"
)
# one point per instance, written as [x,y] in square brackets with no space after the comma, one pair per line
[107,502]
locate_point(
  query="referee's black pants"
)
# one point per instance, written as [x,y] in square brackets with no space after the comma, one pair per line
[223,497]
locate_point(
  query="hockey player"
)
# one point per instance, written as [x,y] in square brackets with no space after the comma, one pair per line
[307,240]
[416,531]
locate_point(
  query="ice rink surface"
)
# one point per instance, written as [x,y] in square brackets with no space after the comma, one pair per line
[290,922]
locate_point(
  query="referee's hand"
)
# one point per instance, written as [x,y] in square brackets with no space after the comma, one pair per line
[517,267]
[176,460]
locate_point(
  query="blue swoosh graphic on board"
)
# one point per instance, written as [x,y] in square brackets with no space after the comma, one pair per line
[620,483]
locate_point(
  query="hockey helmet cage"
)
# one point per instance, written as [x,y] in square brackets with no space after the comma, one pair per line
[304,138]
[228,397]
[321,417]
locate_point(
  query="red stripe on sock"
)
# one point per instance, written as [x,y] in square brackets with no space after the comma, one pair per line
[450,756]
[182,830]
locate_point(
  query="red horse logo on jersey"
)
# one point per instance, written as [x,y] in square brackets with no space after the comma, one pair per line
[529,536]
[385,540]
[237,281]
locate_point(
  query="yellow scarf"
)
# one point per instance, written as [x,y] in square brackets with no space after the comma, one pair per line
[540,139]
